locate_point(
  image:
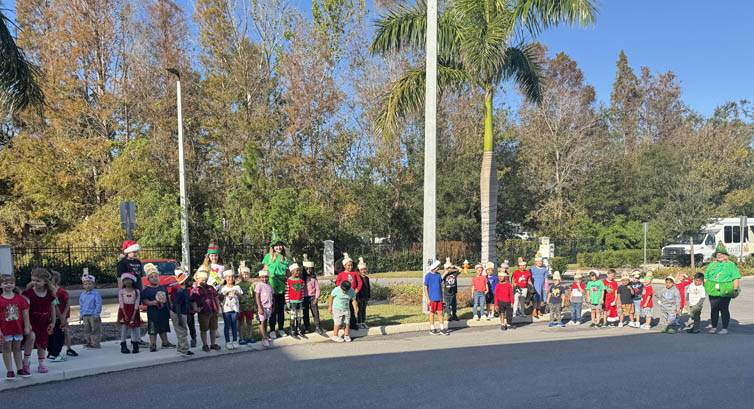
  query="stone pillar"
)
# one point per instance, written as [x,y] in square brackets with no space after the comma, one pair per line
[329,258]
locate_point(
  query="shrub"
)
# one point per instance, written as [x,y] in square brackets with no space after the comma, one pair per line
[558,264]
[324,291]
[379,292]
[464,299]
[405,294]
[511,249]
[617,258]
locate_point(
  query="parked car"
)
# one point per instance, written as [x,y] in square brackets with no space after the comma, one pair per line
[167,273]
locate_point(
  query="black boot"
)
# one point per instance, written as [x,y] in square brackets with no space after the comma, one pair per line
[124,348]
[301,332]
[294,332]
[135,346]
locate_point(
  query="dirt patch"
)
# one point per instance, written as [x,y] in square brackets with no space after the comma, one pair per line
[110,332]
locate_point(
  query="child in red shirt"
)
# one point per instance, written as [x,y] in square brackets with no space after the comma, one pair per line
[42,314]
[355,279]
[504,299]
[294,298]
[479,290]
[14,326]
[521,279]
[57,338]
[646,302]
[610,309]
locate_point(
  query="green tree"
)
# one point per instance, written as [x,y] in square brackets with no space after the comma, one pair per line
[18,75]
[475,40]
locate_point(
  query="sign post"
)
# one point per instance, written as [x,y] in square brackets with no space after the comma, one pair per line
[645,227]
[128,217]
[744,222]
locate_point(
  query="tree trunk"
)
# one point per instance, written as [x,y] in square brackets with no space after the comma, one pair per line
[488,187]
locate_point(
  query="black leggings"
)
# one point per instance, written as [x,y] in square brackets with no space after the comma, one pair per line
[362,303]
[310,303]
[719,306]
[278,312]
[56,340]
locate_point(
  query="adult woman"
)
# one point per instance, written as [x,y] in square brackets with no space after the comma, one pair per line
[276,263]
[539,278]
[721,284]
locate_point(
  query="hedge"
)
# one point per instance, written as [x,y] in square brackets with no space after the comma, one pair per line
[617,258]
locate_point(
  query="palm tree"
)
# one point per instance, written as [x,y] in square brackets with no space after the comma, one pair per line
[475,48]
[18,85]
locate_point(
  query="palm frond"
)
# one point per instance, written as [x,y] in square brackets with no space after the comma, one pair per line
[406,95]
[402,26]
[538,15]
[523,66]
[18,85]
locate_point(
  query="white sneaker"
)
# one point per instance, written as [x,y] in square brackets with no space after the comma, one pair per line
[476,318]
[347,338]
[337,339]
[488,317]
[282,334]
[235,345]
[620,325]
[273,335]
[229,345]
[577,322]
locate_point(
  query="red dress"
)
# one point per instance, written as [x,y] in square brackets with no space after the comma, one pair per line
[129,302]
[39,315]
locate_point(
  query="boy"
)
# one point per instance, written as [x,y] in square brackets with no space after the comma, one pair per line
[578,288]
[521,280]
[294,298]
[555,300]
[362,298]
[479,290]
[338,306]
[155,297]
[504,300]
[695,298]
[491,283]
[263,296]
[596,290]
[433,294]
[450,289]
[610,309]
[670,299]
[205,301]
[247,304]
[682,280]
[646,302]
[179,300]
[638,288]
[626,296]
[90,309]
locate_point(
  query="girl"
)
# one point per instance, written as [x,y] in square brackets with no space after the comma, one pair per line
[311,296]
[214,266]
[42,315]
[247,303]
[130,264]
[57,338]
[14,327]
[231,306]
[362,298]
[276,263]
[128,313]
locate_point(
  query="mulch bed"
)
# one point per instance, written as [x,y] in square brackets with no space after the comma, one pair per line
[110,332]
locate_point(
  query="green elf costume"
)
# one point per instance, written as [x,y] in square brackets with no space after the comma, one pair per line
[720,285]
[277,265]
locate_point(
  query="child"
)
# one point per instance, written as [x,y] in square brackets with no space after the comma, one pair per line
[263,296]
[57,338]
[578,288]
[354,278]
[638,288]
[670,303]
[130,264]
[596,290]
[610,309]
[696,296]
[479,288]
[311,296]
[555,300]
[626,296]
[294,298]
[450,290]
[14,326]
[129,319]
[179,301]
[231,306]
[42,313]
[521,279]
[205,301]
[155,297]
[646,302]
[90,309]
[492,281]
[247,303]
[340,298]
[433,294]
[363,296]
[504,300]
[682,280]
[213,263]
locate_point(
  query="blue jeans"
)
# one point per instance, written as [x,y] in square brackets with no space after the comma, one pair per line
[576,312]
[478,302]
[231,323]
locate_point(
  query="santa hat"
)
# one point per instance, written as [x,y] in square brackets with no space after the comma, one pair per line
[293,267]
[362,264]
[213,248]
[242,267]
[308,263]
[150,268]
[130,246]
[128,276]
[346,259]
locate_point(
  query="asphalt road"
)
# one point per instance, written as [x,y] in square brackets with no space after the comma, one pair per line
[533,366]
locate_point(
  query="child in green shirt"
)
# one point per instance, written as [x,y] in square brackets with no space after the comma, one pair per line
[596,290]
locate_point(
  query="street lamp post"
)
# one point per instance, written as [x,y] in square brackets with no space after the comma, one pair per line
[430,143]
[186,259]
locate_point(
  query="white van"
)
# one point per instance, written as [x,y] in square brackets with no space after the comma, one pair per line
[727,230]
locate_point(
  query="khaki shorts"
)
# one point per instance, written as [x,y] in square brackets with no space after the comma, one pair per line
[596,307]
[207,322]
[627,308]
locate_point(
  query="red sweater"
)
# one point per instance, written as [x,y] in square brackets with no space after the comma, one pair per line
[521,278]
[682,289]
[504,292]
[294,290]
[353,277]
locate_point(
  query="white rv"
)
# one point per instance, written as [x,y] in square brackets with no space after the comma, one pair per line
[727,230]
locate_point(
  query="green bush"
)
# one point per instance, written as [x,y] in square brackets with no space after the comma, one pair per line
[558,264]
[405,294]
[511,249]
[617,258]
[324,292]
[379,292]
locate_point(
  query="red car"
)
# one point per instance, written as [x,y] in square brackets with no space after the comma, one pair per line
[167,273]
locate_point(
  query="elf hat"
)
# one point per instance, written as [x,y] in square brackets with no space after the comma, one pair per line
[130,246]
[447,264]
[308,263]
[128,276]
[556,275]
[242,267]
[293,267]
[720,249]
[489,266]
[648,278]
[213,248]
[347,259]
[180,276]
[275,239]
[263,273]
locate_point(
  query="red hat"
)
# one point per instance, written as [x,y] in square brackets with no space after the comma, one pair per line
[130,246]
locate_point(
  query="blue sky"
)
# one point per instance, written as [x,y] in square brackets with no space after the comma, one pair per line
[708,45]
